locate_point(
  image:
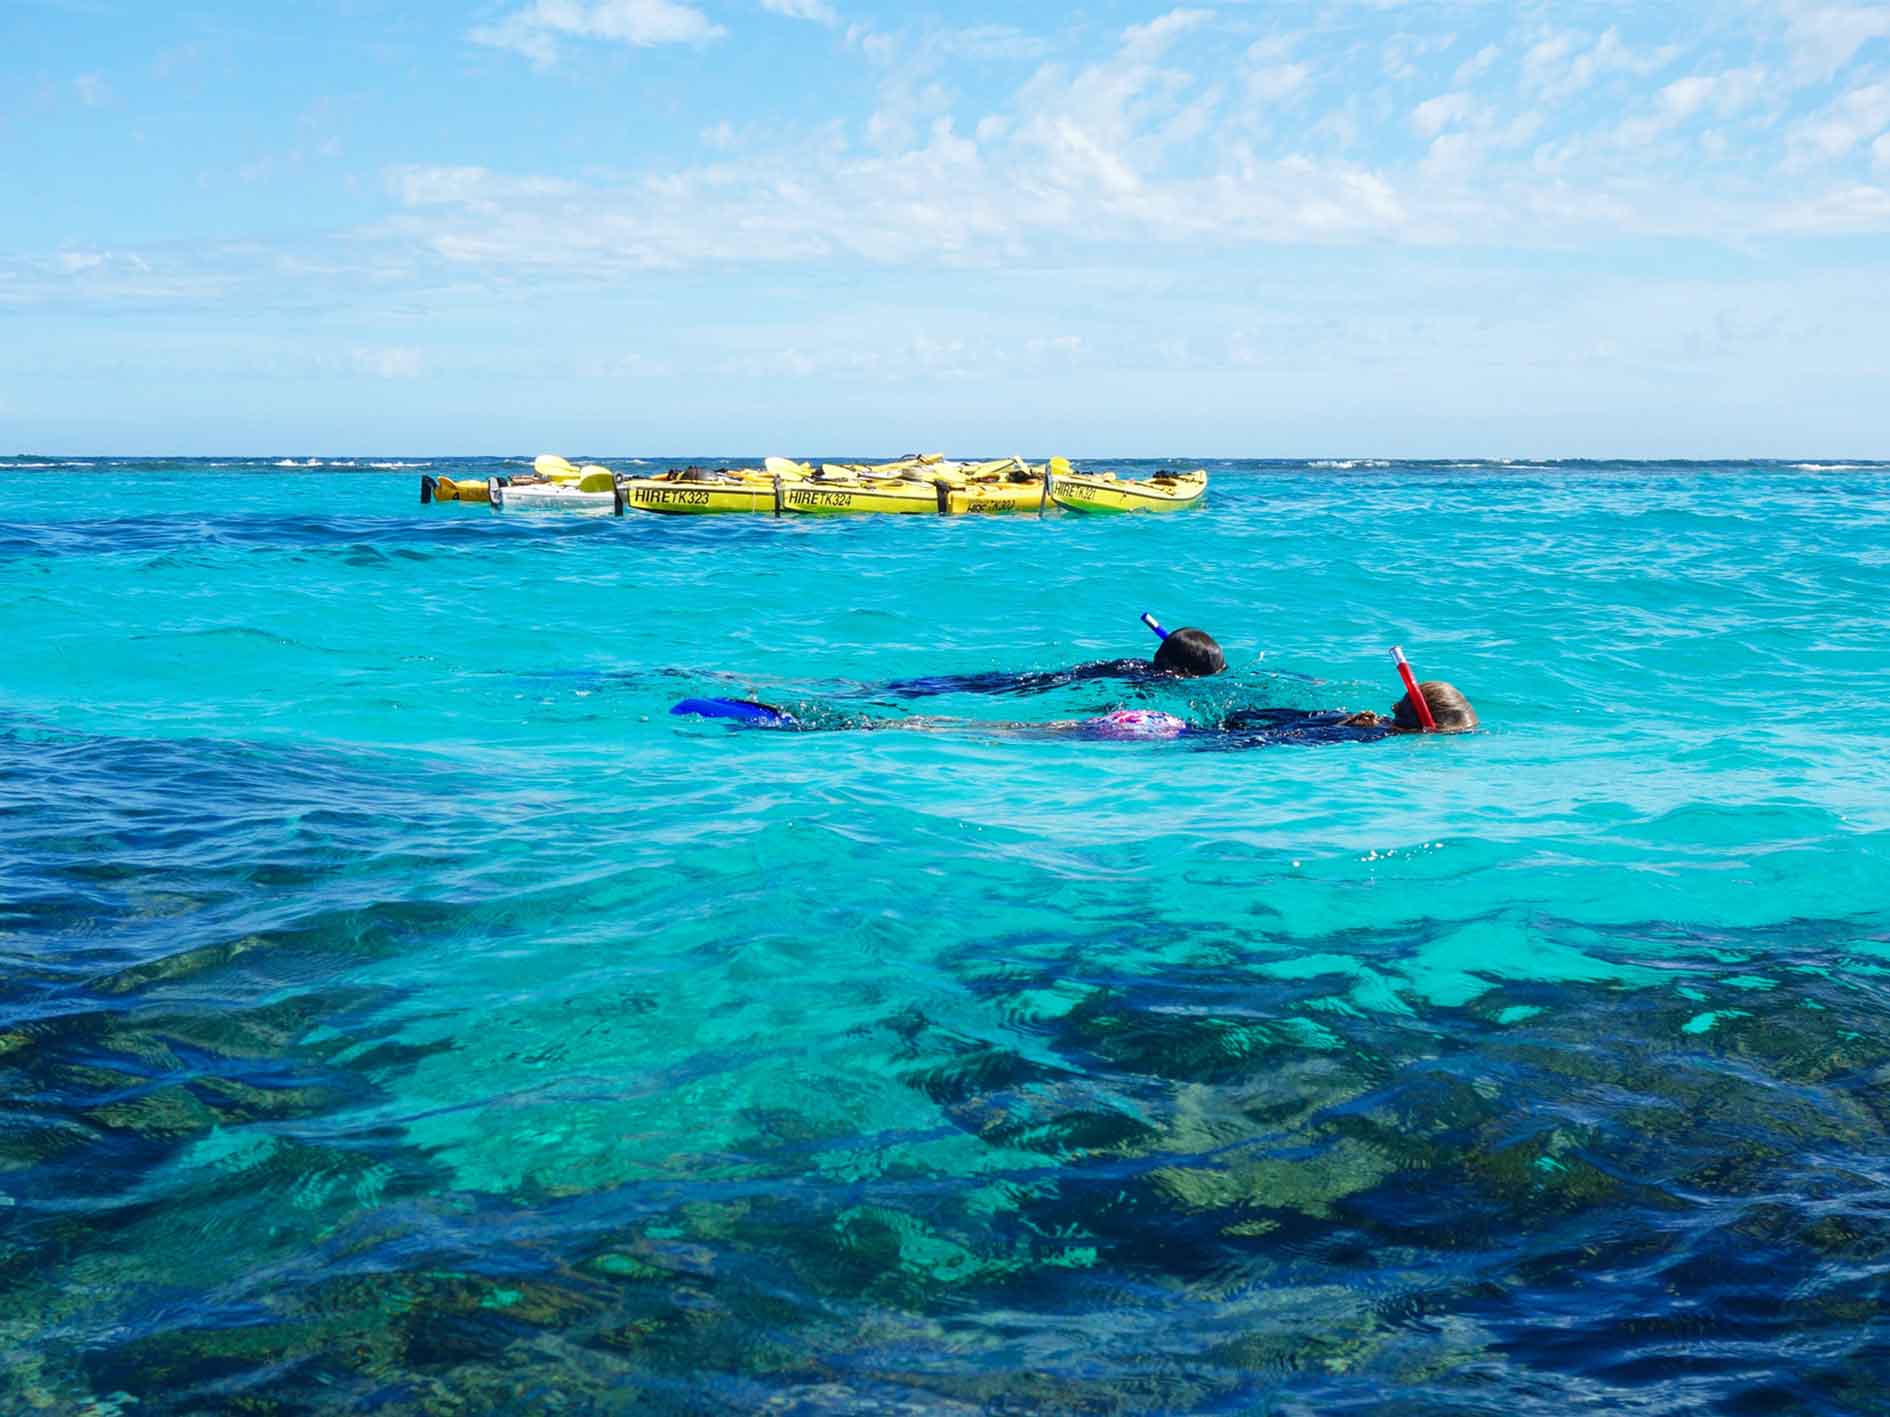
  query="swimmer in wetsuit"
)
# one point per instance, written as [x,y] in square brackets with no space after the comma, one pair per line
[1183,654]
[1449,711]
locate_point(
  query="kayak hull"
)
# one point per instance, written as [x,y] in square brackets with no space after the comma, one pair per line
[447,489]
[839,499]
[1107,494]
[688,497]
[979,498]
[553,497]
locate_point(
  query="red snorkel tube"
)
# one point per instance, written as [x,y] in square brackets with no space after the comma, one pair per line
[1418,704]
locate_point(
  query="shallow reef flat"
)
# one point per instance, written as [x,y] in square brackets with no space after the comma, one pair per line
[400,1012]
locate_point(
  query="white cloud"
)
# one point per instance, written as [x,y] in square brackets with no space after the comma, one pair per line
[1140,144]
[1434,115]
[910,98]
[1404,53]
[1272,48]
[1079,160]
[988,42]
[1476,65]
[92,90]
[1339,128]
[1547,59]
[114,278]
[1824,37]
[1858,207]
[1465,132]
[421,186]
[427,186]
[1563,63]
[1725,94]
[1683,98]
[389,362]
[1089,155]
[1148,41]
[875,46]
[535,30]
[1455,155]
[905,110]
[1856,117]
[1272,83]
[819,11]
[1736,90]
[1880,151]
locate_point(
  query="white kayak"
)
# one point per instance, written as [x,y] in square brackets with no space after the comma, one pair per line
[585,496]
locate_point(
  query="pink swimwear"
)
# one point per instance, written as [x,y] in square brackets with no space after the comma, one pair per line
[1137,723]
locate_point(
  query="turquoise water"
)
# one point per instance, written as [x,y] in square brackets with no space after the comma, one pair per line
[402,1013]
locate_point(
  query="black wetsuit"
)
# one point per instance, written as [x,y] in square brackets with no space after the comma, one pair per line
[1265,727]
[1137,671]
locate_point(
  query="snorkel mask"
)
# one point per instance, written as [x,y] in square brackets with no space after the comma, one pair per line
[1419,706]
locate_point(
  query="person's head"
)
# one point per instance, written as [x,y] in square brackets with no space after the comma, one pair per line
[1190,654]
[1450,709]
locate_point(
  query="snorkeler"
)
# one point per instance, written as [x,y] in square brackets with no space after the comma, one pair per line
[1431,707]
[1183,654]
[1437,708]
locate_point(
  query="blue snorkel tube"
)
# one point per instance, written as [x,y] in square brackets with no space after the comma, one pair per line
[1148,618]
[742,711]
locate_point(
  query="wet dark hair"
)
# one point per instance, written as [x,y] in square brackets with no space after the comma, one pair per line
[1190,654]
[1450,708]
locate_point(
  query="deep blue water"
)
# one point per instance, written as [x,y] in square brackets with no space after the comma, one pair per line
[402,1013]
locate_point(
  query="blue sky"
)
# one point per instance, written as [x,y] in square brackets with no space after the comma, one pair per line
[1305,228]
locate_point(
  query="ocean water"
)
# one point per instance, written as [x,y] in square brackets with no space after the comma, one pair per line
[400,1012]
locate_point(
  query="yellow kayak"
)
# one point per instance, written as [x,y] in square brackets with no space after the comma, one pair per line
[827,495]
[1006,485]
[1105,492]
[694,491]
[447,489]
[995,497]
[1025,495]
[838,489]
[921,484]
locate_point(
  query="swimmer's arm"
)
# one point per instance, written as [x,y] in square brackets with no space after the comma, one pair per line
[933,685]
[1037,681]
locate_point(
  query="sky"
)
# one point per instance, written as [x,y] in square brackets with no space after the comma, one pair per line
[1301,228]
